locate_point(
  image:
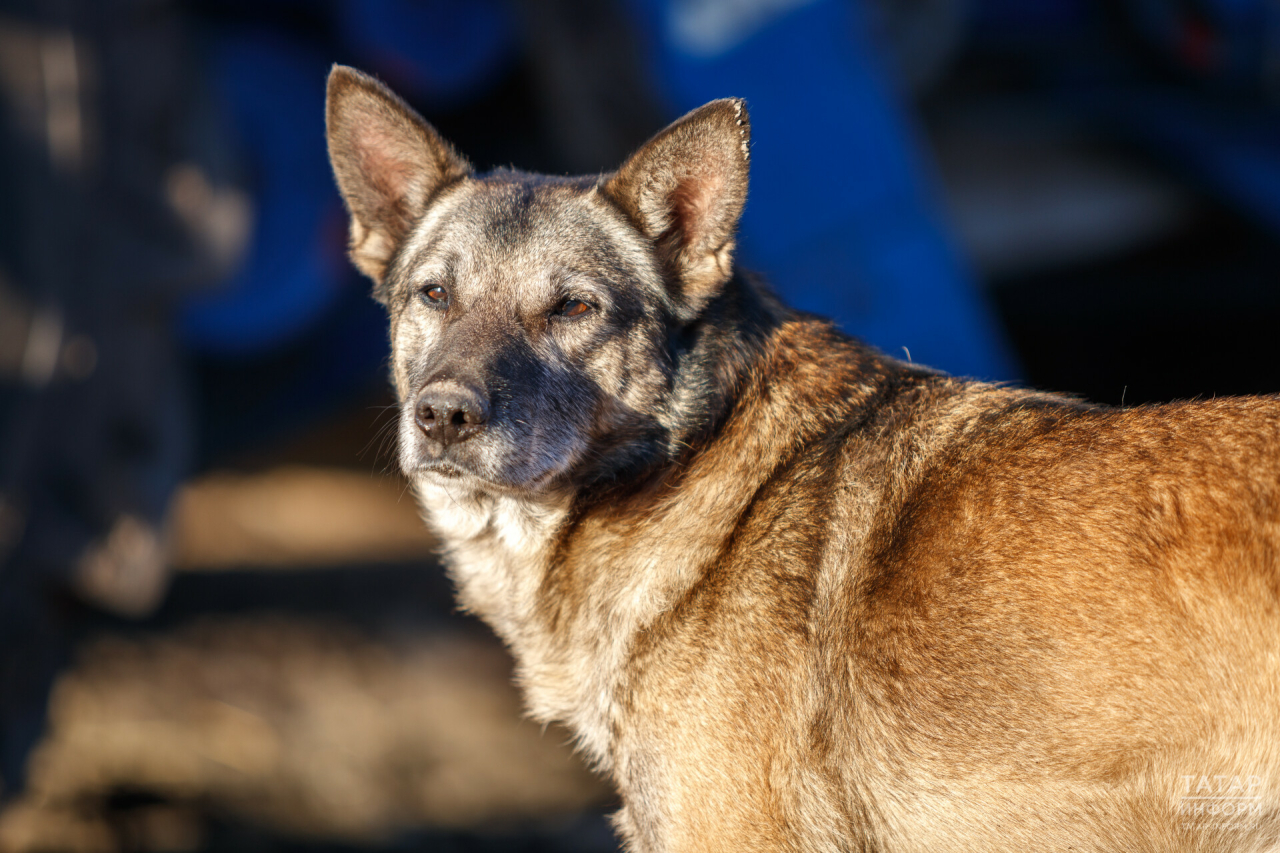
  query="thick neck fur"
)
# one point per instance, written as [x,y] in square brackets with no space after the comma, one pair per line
[710,359]
[570,612]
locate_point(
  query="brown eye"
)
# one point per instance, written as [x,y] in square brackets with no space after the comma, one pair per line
[435,294]
[573,308]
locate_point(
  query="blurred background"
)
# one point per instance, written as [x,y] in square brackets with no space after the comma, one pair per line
[222,626]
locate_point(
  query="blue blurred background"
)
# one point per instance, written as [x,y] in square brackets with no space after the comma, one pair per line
[1082,195]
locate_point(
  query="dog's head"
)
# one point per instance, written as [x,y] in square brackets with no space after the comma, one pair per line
[532,317]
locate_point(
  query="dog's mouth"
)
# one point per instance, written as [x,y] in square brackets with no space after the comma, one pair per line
[442,471]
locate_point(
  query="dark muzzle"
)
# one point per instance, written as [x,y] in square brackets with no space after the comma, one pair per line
[448,413]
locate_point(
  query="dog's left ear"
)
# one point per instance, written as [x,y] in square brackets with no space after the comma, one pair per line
[388,162]
[685,190]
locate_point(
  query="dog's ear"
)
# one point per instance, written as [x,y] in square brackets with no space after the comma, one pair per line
[685,190]
[388,162]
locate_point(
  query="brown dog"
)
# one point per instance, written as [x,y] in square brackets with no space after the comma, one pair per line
[791,594]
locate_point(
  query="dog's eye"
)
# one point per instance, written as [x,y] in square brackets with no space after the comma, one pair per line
[435,294]
[572,308]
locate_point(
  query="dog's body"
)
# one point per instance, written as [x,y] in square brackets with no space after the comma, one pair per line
[789,593]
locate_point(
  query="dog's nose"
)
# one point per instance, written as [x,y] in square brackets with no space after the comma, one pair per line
[449,413]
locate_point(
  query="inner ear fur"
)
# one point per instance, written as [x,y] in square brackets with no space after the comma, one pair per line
[685,190]
[388,163]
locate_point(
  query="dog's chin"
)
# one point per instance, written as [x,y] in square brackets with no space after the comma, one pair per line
[451,475]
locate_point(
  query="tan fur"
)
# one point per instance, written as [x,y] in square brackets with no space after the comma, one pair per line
[791,594]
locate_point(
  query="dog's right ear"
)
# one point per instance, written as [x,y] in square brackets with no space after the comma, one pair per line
[388,162]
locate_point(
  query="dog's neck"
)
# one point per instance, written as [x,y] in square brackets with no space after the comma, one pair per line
[571,617]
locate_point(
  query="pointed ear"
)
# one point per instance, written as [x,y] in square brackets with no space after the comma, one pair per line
[685,190]
[388,162]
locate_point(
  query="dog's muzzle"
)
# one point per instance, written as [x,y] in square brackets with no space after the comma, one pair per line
[449,413]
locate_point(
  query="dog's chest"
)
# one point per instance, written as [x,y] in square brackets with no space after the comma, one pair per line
[497,549]
[500,551]
[570,611]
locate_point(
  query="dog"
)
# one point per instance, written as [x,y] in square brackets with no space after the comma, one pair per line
[787,592]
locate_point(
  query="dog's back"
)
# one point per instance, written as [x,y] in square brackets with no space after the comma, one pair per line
[948,616]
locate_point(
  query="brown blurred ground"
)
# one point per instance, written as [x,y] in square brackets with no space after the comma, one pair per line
[306,679]
[296,516]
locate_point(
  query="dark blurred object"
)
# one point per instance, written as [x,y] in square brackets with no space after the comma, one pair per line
[919,39]
[446,53]
[1217,113]
[1191,85]
[289,276]
[1190,315]
[597,105]
[843,216]
[116,204]
[1116,173]
[1235,42]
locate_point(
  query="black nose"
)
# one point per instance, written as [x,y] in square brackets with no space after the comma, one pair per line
[448,413]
